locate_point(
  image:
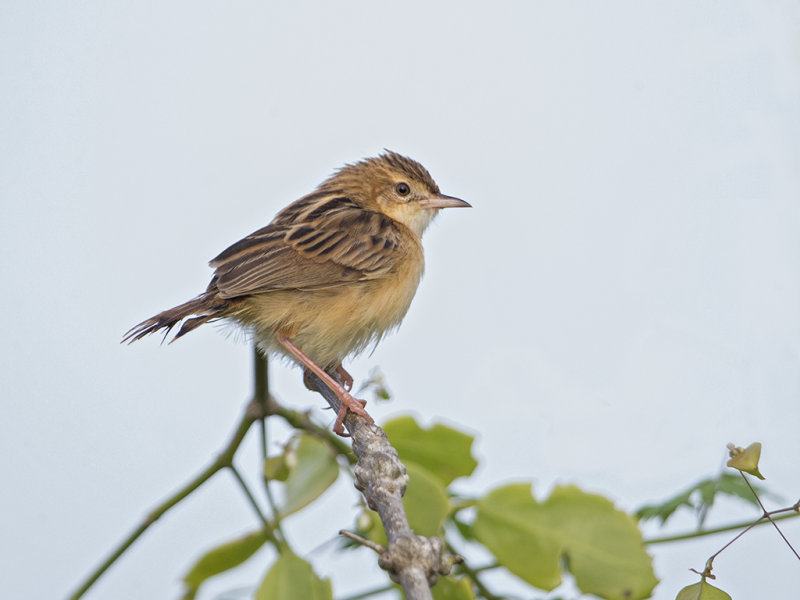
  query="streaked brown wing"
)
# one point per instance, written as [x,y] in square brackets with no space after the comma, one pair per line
[310,245]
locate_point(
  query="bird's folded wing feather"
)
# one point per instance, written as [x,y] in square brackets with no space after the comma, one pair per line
[308,248]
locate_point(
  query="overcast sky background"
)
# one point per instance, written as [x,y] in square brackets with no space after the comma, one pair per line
[621,302]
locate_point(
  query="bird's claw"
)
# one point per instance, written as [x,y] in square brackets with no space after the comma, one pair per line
[353,405]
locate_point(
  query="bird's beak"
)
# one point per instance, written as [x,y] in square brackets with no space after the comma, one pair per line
[442,201]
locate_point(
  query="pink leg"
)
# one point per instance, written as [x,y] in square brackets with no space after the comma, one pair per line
[348,402]
[347,380]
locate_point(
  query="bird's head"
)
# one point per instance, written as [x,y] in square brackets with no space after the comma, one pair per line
[395,186]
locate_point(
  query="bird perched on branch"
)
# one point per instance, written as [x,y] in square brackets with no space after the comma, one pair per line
[329,276]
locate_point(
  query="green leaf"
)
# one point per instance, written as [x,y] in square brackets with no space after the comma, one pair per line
[667,508]
[465,529]
[732,484]
[224,557]
[276,469]
[425,501]
[453,588]
[314,472]
[702,591]
[701,496]
[442,450]
[292,578]
[602,545]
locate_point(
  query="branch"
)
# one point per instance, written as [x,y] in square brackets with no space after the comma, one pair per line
[258,409]
[223,461]
[732,527]
[413,561]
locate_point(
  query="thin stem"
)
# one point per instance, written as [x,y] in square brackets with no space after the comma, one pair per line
[458,504]
[765,515]
[267,489]
[482,589]
[274,507]
[710,560]
[768,516]
[489,567]
[377,548]
[705,532]
[474,576]
[262,398]
[223,460]
[302,421]
[250,497]
[263,431]
[261,394]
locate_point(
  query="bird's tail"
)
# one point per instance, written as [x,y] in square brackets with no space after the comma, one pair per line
[204,308]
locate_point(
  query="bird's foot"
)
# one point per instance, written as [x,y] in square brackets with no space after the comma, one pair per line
[353,405]
[349,403]
[347,379]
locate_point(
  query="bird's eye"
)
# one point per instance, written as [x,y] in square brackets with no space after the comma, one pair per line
[402,189]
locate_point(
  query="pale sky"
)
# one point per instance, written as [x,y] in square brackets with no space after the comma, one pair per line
[620,302]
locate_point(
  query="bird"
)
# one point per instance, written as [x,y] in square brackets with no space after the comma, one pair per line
[331,274]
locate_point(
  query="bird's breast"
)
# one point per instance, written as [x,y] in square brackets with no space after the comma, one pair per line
[331,323]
